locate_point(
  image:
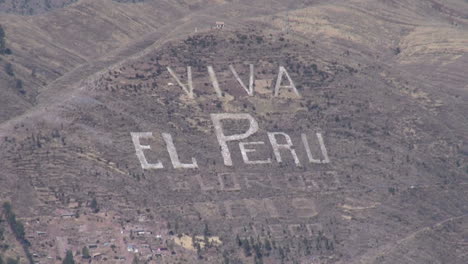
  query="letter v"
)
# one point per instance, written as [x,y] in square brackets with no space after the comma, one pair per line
[188,91]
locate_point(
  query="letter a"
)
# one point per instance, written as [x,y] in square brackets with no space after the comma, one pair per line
[282,71]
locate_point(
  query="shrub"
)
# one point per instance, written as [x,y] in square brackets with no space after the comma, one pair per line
[68,258]
[9,69]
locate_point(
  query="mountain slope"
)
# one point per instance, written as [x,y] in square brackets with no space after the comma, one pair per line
[382,82]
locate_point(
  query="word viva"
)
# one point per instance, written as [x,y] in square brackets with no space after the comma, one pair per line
[247,148]
[188,88]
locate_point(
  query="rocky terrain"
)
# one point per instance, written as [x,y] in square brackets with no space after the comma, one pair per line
[372,96]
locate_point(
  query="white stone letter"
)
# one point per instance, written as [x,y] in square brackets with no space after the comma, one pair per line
[277,147]
[282,71]
[214,80]
[322,148]
[171,149]
[304,207]
[223,139]
[244,151]
[188,91]
[139,150]
[250,90]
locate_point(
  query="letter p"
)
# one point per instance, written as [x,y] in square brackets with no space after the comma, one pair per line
[223,139]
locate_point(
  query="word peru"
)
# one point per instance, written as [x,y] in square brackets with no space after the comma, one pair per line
[280,142]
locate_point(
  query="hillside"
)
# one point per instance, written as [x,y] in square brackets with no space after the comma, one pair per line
[348,144]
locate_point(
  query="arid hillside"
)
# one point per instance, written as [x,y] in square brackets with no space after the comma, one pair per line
[32,7]
[68,45]
[236,132]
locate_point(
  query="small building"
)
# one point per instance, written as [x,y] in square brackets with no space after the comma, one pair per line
[219,24]
[68,215]
[74,205]
[98,256]
[131,248]
[142,232]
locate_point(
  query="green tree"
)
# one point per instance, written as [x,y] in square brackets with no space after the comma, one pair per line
[16,226]
[258,260]
[225,257]
[238,240]
[19,230]
[12,261]
[9,69]
[85,252]
[247,248]
[6,207]
[19,84]
[206,231]
[267,245]
[94,205]
[3,48]
[68,258]
[2,39]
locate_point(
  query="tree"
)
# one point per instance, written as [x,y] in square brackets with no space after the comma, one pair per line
[206,231]
[19,85]
[19,230]
[68,258]
[281,254]
[238,240]
[3,48]
[7,207]
[267,245]
[12,261]
[94,205]
[85,252]
[225,257]
[2,39]
[258,260]
[16,226]
[258,250]
[199,251]
[9,69]
[247,248]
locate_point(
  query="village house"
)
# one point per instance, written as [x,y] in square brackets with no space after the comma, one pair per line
[66,216]
[98,256]
[132,248]
[142,232]
[219,24]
